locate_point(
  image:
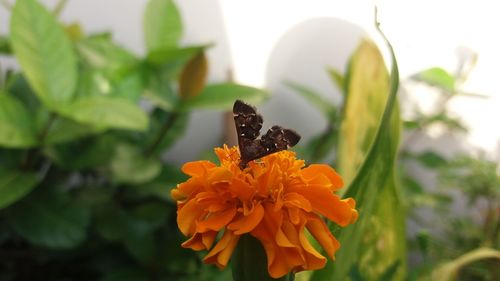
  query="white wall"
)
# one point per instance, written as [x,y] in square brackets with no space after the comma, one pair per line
[267,41]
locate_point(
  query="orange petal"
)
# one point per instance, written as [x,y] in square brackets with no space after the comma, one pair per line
[200,241]
[329,204]
[247,223]
[322,234]
[197,168]
[187,217]
[296,200]
[241,189]
[314,170]
[313,259]
[216,221]
[223,250]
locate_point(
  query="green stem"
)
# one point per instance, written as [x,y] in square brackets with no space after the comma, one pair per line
[163,131]
[59,7]
[33,153]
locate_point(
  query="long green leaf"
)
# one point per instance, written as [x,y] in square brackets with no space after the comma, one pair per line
[106,112]
[162,24]
[16,124]
[222,96]
[370,138]
[14,185]
[44,52]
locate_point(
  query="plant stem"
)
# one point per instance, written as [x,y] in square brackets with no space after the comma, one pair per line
[32,153]
[59,7]
[163,131]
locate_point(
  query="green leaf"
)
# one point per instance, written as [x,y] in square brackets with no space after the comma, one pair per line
[106,112]
[437,77]
[367,151]
[250,262]
[44,52]
[16,123]
[449,271]
[338,79]
[103,53]
[169,62]
[130,166]
[5,46]
[176,124]
[222,97]
[318,101]
[64,130]
[48,218]
[162,24]
[92,153]
[160,187]
[431,159]
[173,55]
[14,185]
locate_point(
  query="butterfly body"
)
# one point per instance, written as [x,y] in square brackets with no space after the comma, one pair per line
[248,124]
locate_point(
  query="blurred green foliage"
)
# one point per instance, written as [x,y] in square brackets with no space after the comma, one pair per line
[84,191]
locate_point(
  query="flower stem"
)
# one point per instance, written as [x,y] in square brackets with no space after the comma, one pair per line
[163,131]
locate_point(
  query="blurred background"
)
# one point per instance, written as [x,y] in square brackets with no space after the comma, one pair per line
[448,58]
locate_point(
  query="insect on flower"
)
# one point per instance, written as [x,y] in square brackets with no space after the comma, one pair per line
[277,200]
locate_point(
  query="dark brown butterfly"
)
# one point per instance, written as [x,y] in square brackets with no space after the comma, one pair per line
[248,124]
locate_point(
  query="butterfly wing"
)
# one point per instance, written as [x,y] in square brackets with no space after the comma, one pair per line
[248,124]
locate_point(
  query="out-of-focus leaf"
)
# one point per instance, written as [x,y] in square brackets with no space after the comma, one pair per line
[103,53]
[44,52]
[367,149]
[176,124]
[65,130]
[48,218]
[14,185]
[130,166]
[318,101]
[411,124]
[162,24]
[193,76]
[160,187]
[16,124]
[20,89]
[320,147]
[449,270]
[92,152]
[174,55]
[437,77]
[338,79]
[450,122]
[5,46]
[222,96]
[390,273]
[106,112]
[126,274]
[431,159]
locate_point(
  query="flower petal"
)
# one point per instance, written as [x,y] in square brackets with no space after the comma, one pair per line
[322,234]
[223,250]
[187,217]
[247,223]
[200,241]
[314,170]
[197,168]
[216,221]
[330,205]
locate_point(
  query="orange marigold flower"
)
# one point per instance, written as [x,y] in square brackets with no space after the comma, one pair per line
[275,199]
